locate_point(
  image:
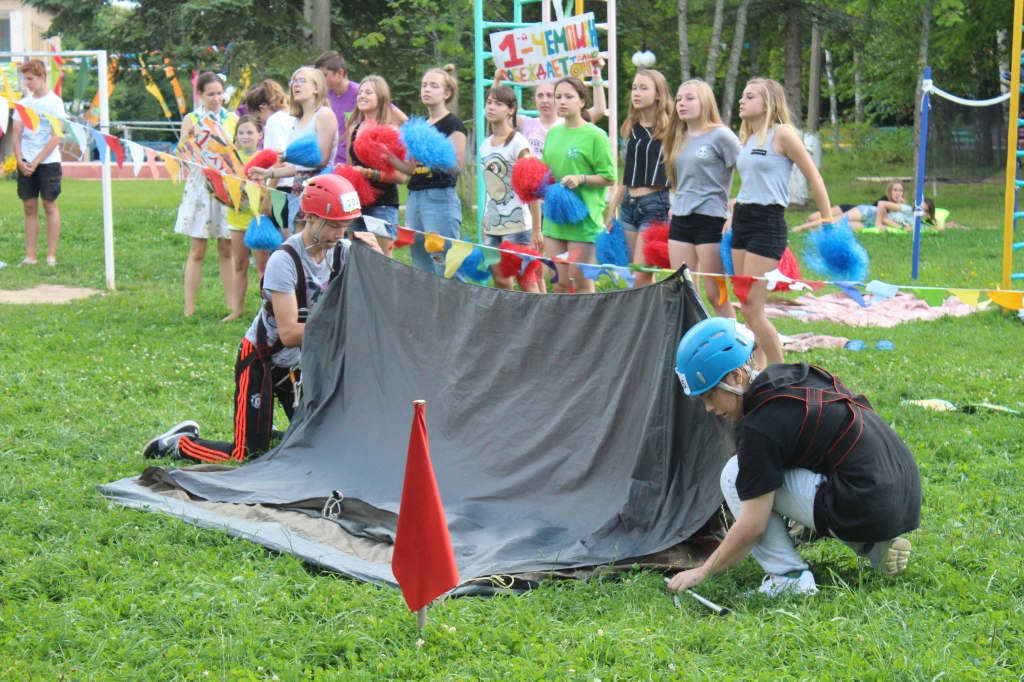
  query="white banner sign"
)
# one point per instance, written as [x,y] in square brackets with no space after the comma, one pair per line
[547,52]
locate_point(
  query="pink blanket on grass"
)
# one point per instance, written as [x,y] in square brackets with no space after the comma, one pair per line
[883,312]
[801,343]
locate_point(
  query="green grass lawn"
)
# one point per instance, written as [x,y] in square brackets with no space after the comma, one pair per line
[90,591]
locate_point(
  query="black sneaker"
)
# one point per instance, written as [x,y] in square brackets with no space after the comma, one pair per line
[165,443]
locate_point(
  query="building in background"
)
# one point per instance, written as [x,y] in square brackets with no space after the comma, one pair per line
[22,27]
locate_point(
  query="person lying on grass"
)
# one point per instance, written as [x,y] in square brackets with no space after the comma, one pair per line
[297,275]
[808,449]
[884,215]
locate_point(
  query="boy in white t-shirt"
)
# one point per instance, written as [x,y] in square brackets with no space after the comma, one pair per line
[39,170]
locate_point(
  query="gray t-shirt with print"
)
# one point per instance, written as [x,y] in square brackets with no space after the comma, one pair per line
[704,173]
[280,276]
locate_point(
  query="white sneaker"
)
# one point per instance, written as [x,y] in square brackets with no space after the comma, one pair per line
[166,442]
[779,585]
[890,557]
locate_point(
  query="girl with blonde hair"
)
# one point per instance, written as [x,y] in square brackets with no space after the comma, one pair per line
[759,231]
[373,104]
[309,111]
[642,198]
[700,155]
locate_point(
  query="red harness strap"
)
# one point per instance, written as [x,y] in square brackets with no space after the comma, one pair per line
[814,399]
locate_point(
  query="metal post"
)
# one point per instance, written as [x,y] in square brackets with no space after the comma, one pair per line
[478,110]
[108,203]
[612,84]
[922,158]
[1010,215]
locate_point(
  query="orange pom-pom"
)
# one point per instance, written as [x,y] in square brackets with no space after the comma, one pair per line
[530,177]
[656,245]
[510,264]
[367,192]
[265,158]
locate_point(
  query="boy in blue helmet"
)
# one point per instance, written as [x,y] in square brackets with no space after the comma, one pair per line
[808,449]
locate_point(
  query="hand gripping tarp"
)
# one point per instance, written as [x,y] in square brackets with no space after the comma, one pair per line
[559,433]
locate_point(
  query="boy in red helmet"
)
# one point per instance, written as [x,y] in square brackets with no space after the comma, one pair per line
[268,356]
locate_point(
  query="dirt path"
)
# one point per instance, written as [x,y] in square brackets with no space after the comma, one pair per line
[46,293]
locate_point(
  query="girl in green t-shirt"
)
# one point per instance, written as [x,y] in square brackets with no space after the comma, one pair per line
[580,157]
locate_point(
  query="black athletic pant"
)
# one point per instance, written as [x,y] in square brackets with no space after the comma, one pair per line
[257,382]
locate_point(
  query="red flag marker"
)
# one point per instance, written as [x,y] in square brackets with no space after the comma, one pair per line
[114,145]
[422,561]
[406,237]
[741,286]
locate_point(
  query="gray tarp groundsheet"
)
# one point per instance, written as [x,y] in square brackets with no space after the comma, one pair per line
[559,434]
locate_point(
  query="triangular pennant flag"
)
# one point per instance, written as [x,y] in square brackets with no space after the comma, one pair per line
[137,154]
[968,296]
[569,256]
[173,168]
[422,562]
[813,285]
[234,188]
[151,162]
[723,292]
[881,289]
[56,124]
[1011,300]
[624,273]
[101,143]
[82,135]
[456,254]
[853,292]
[590,271]
[406,237]
[278,200]
[4,113]
[775,277]
[217,183]
[492,256]
[255,194]
[432,243]
[379,227]
[114,145]
[28,117]
[741,286]
[933,297]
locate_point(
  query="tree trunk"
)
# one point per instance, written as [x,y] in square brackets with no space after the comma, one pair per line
[922,59]
[734,62]
[814,86]
[716,40]
[755,55]
[322,24]
[307,14]
[858,97]
[684,45]
[794,64]
[833,100]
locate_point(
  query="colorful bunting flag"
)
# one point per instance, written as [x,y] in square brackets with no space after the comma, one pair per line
[968,296]
[93,114]
[881,289]
[589,270]
[814,285]
[278,200]
[217,183]
[4,113]
[432,243]
[741,286]
[255,194]
[151,88]
[137,154]
[933,297]
[406,237]
[853,292]
[179,97]
[625,274]
[456,254]
[56,124]
[81,136]
[173,168]
[775,277]
[114,145]
[151,162]
[101,144]
[723,292]
[29,118]
[234,188]
[492,256]
[1011,300]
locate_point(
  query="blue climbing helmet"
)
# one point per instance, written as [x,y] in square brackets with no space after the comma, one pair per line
[710,350]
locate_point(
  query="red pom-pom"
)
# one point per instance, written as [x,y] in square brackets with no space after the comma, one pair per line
[373,144]
[265,158]
[367,192]
[656,245]
[529,176]
[510,264]
[790,268]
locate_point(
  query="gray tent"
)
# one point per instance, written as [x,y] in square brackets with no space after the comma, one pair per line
[559,434]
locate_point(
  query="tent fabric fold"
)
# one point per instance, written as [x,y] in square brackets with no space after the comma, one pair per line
[560,436]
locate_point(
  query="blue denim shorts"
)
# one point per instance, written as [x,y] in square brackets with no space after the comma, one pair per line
[637,213]
[517,238]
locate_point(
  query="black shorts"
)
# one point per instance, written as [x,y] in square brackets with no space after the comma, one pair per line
[760,230]
[845,208]
[696,228]
[45,183]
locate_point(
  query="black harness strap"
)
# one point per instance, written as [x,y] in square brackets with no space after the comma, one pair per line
[264,350]
[814,400]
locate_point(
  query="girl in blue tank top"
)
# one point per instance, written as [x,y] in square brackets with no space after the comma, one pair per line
[759,230]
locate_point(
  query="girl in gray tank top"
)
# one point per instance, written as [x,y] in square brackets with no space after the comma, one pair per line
[759,230]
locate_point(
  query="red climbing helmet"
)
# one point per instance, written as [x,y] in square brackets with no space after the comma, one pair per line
[330,197]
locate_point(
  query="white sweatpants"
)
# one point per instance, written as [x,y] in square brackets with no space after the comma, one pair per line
[794,500]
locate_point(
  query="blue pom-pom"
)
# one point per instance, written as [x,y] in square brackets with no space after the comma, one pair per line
[262,234]
[304,151]
[562,205]
[470,268]
[611,246]
[725,251]
[326,170]
[833,250]
[428,145]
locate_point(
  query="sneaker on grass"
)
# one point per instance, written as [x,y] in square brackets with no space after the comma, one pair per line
[783,585]
[166,442]
[889,557]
